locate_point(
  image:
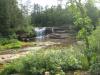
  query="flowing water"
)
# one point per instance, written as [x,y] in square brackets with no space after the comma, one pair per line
[40,33]
[57,35]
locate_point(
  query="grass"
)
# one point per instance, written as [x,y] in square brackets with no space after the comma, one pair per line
[68,59]
[6,44]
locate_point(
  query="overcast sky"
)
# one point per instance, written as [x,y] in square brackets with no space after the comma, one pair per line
[42,2]
[48,2]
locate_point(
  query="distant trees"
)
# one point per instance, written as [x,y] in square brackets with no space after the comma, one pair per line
[9,14]
[58,16]
[11,18]
[82,21]
[54,16]
[14,19]
[92,12]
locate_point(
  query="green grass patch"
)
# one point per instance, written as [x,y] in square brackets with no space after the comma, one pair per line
[6,43]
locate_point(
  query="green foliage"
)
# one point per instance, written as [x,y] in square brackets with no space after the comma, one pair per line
[6,43]
[59,71]
[12,36]
[48,60]
[94,40]
[3,41]
[12,19]
[95,69]
[13,45]
[82,21]
[58,16]
[95,15]
[54,16]
[9,69]
[84,25]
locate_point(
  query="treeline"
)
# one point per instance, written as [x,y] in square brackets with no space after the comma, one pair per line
[58,16]
[12,19]
[54,16]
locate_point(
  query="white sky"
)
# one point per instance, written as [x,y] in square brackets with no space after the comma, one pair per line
[43,2]
[49,2]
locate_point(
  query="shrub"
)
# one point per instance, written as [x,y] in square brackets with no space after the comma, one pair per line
[3,41]
[13,45]
[48,60]
[94,41]
[95,69]
[6,43]
[8,70]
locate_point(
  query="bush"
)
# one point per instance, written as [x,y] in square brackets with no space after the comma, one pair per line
[95,69]
[9,70]
[94,42]
[13,45]
[48,60]
[6,43]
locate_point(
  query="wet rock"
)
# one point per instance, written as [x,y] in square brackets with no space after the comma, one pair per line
[47,73]
[2,58]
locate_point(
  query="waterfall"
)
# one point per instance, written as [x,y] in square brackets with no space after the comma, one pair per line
[40,33]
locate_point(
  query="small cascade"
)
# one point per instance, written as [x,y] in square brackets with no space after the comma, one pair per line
[40,33]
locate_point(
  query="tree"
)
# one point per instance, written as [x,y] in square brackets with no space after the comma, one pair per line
[4,24]
[53,16]
[12,18]
[9,16]
[95,15]
[82,21]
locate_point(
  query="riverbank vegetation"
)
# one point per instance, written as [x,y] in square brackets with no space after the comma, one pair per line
[71,58]
[49,60]
[84,18]
[16,19]
[7,44]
